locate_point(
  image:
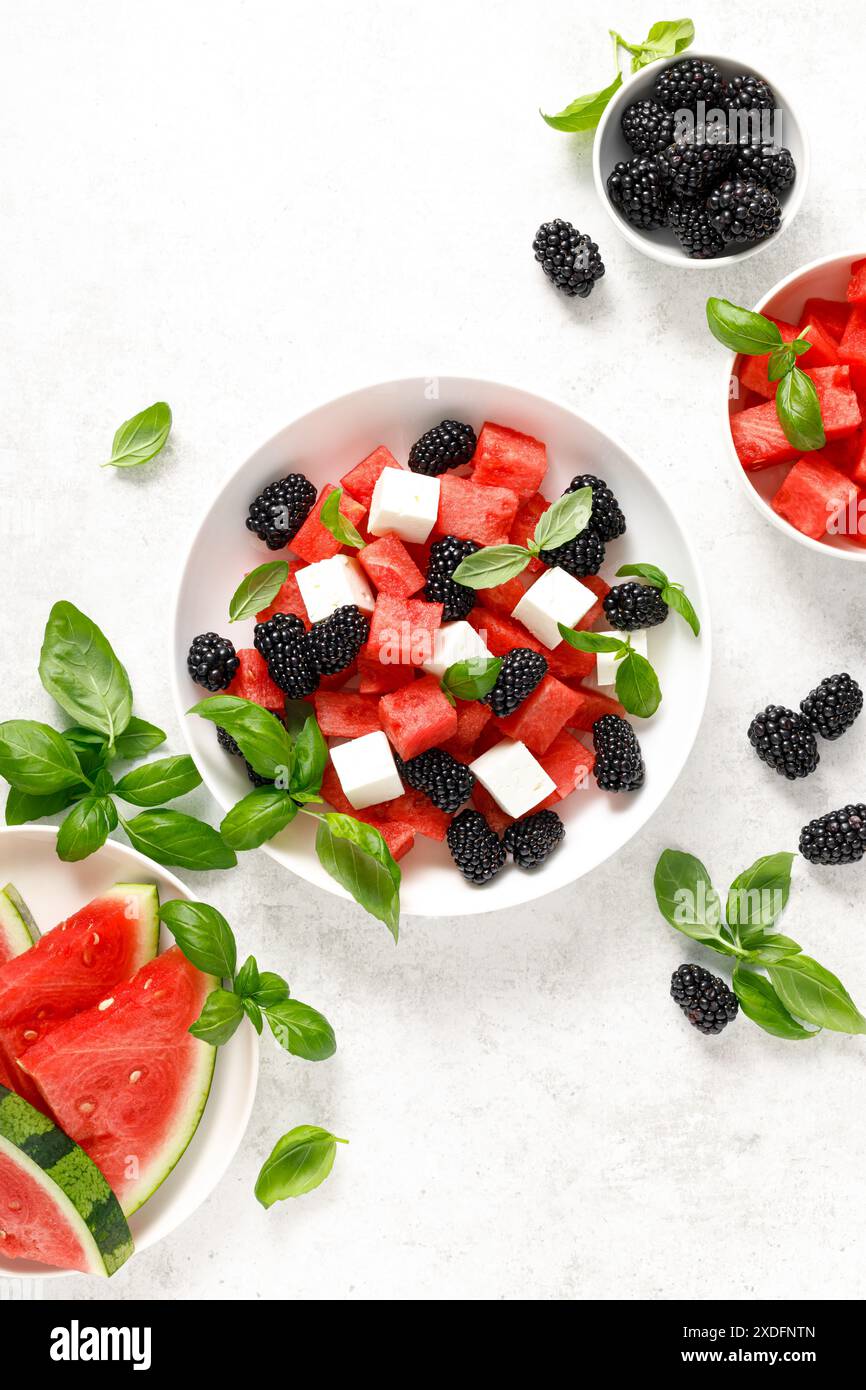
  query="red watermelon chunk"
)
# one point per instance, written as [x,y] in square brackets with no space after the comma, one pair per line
[569,764]
[539,719]
[472,718]
[288,599]
[759,438]
[824,351]
[361,479]
[493,813]
[391,567]
[314,541]
[417,717]
[475,513]
[602,588]
[814,496]
[526,519]
[340,678]
[507,458]
[857,469]
[592,705]
[753,370]
[501,632]
[417,810]
[857,284]
[376,679]
[252,682]
[832,316]
[402,631]
[504,598]
[852,348]
[346,714]
[400,836]
[570,665]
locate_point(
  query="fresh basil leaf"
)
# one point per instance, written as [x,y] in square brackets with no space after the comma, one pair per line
[651,573]
[253,1013]
[339,525]
[590,641]
[301,1030]
[814,994]
[37,759]
[204,936]
[159,781]
[310,760]
[799,411]
[298,1163]
[260,816]
[357,857]
[800,345]
[138,739]
[491,566]
[760,1002]
[584,113]
[173,838]
[676,599]
[258,589]
[564,520]
[688,901]
[637,685]
[781,360]
[771,947]
[89,747]
[741,330]
[140,439]
[295,715]
[103,782]
[273,989]
[758,896]
[22,807]
[261,738]
[219,1019]
[86,828]
[247,979]
[79,669]
[472,679]
[664,40]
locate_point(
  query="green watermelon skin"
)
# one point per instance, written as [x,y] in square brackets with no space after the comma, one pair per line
[57,1208]
[18,930]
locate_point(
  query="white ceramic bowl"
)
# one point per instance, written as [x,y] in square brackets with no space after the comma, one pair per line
[609,147]
[324,444]
[823,279]
[52,890]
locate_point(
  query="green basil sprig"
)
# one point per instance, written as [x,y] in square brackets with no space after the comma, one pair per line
[797,995]
[339,526]
[637,685]
[471,679]
[140,439]
[665,39]
[673,594]
[258,589]
[300,1162]
[754,335]
[563,521]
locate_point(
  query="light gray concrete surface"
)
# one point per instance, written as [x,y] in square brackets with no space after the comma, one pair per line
[244,208]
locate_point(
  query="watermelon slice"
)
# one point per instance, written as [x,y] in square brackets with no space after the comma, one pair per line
[346,714]
[314,541]
[391,567]
[815,496]
[507,458]
[127,1080]
[57,1208]
[73,967]
[475,513]
[361,479]
[18,931]
[417,717]
[251,681]
[857,284]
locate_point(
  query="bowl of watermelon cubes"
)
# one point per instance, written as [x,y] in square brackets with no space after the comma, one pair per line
[487,795]
[115,1121]
[817,497]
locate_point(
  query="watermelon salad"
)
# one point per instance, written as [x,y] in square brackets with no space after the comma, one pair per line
[420,618]
[819,493]
[102,1085]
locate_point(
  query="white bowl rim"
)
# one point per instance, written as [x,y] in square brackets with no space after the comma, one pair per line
[646,242]
[855,554]
[525,890]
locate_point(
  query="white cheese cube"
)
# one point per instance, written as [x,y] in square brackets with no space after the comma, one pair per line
[404,503]
[554,598]
[455,642]
[514,779]
[330,584]
[367,771]
[606,663]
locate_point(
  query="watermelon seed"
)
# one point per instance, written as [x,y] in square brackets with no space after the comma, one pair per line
[2,1235]
[30,1035]
[14,1205]
[87,1107]
[134,1076]
[106,1004]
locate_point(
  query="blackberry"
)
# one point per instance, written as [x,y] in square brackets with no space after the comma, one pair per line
[631,606]
[784,741]
[225,740]
[770,166]
[606,517]
[447,782]
[647,127]
[638,190]
[445,556]
[584,555]
[568,257]
[531,840]
[336,640]
[693,166]
[705,1000]
[832,707]
[619,765]
[740,210]
[748,93]
[695,232]
[212,661]
[477,850]
[446,446]
[521,671]
[837,838]
[278,513]
[681,86]
[284,644]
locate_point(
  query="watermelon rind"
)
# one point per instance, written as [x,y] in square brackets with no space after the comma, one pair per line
[142,900]
[183,1131]
[18,930]
[83,1199]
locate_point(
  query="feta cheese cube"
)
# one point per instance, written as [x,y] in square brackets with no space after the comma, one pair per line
[606,663]
[367,771]
[513,777]
[330,584]
[454,642]
[554,598]
[404,503]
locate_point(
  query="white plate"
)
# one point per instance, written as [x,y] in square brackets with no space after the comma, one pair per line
[324,444]
[53,890]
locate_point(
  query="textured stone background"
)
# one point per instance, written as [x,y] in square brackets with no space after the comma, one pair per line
[244,208]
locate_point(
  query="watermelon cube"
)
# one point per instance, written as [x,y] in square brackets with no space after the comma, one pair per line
[502,634]
[376,679]
[857,284]
[415,809]
[391,568]
[314,541]
[401,631]
[475,513]
[832,316]
[852,348]
[539,719]
[251,681]
[602,588]
[492,812]
[507,458]
[592,705]
[417,717]
[288,599]
[340,678]
[824,351]
[857,469]
[472,718]
[753,370]
[759,438]
[817,499]
[569,764]
[398,836]
[346,713]
[504,598]
[361,479]
[526,519]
